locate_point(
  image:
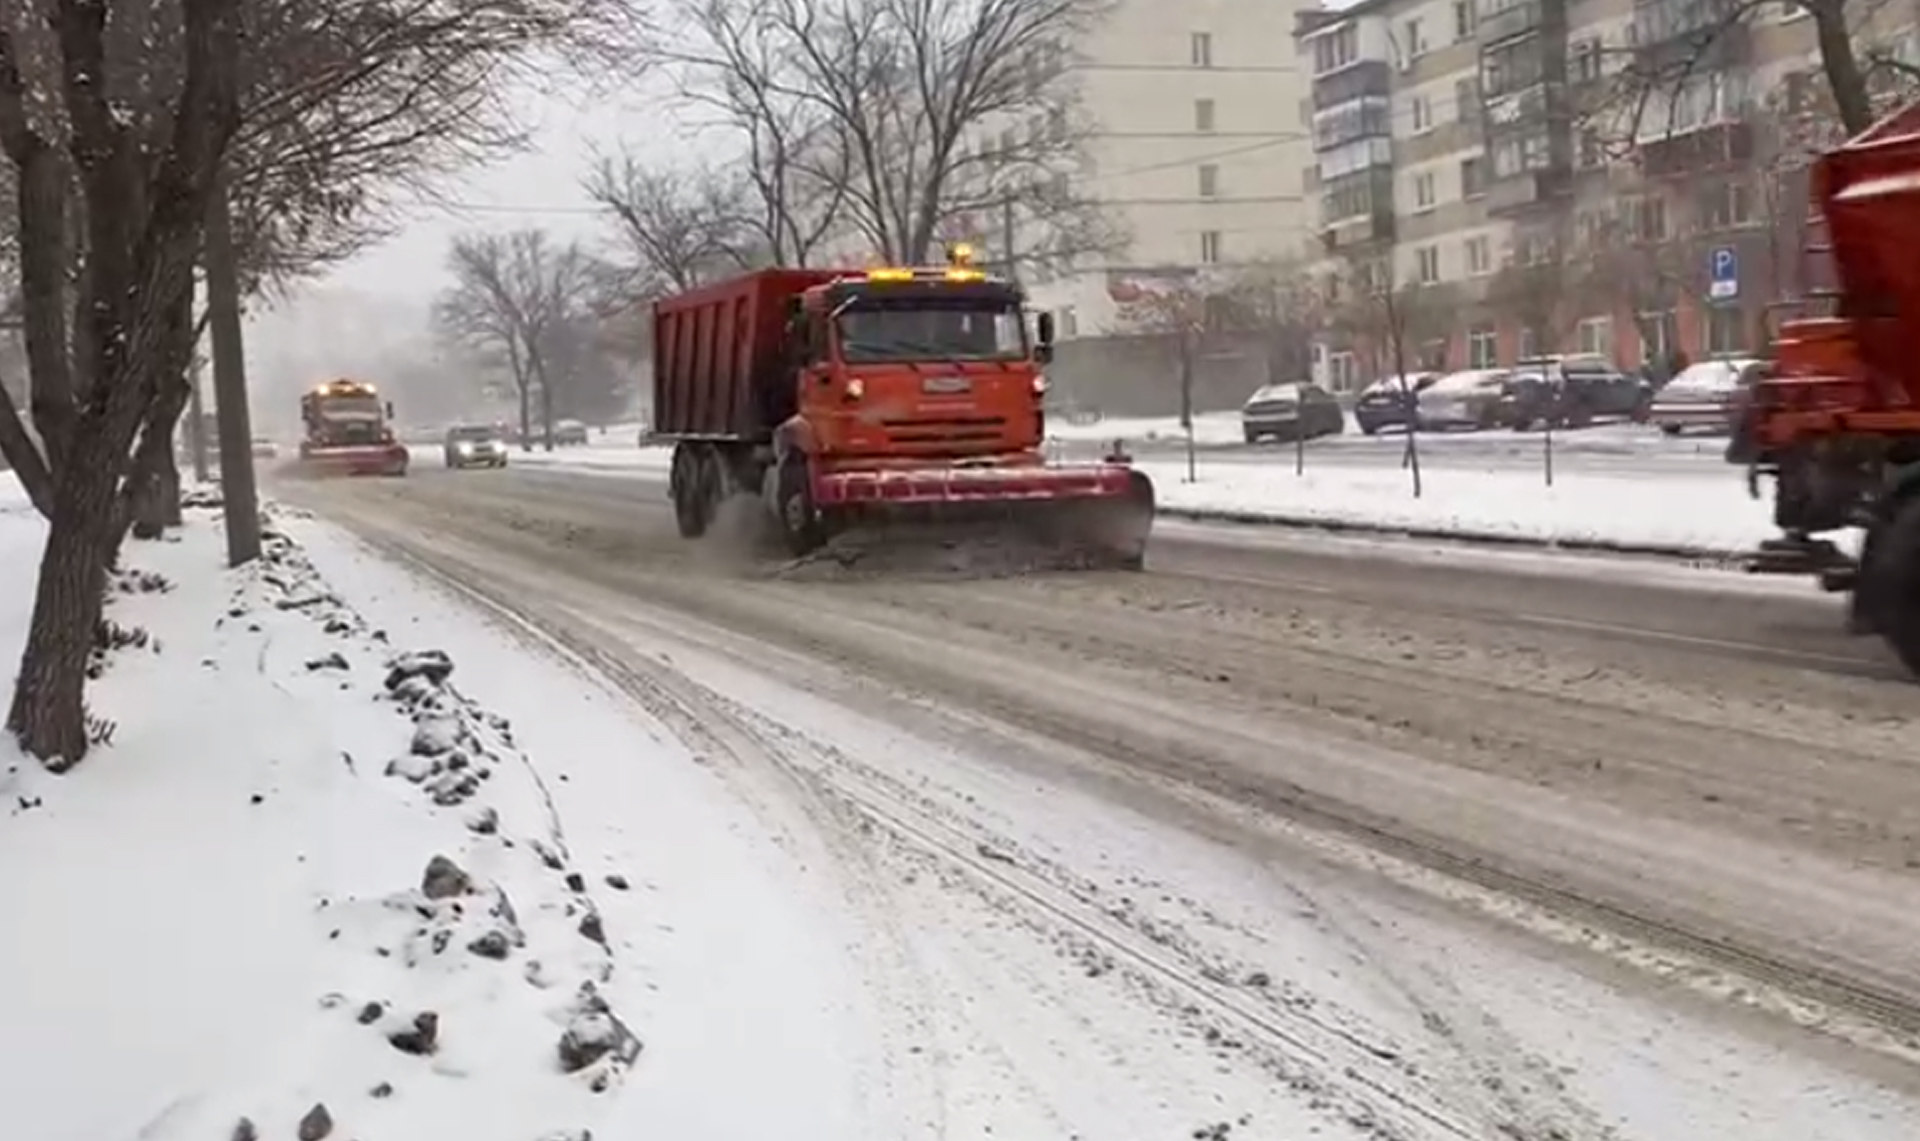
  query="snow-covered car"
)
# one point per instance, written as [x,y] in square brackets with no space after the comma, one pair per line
[1703,395]
[264,449]
[1389,401]
[569,434]
[1291,411]
[475,445]
[1468,399]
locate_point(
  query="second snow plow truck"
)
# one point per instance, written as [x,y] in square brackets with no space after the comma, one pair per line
[843,398]
[1835,419]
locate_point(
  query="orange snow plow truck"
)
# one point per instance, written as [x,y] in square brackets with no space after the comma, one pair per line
[349,431]
[1836,419]
[844,399]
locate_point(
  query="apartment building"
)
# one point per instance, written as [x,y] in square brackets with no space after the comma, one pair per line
[1599,174]
[1195,153]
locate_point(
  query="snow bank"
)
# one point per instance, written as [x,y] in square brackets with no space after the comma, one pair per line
[306,881]
[1707,512]
[1210,429]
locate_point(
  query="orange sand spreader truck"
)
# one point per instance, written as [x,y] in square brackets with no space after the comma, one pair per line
[847,399]
[1836,419]
[349,431]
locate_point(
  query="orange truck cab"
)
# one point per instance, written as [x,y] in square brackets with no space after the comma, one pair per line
[834,394]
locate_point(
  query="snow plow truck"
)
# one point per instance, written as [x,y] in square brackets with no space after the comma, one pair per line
[349,431]
[1835,418]
[856,400]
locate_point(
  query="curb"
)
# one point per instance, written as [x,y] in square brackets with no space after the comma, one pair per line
[1462,536]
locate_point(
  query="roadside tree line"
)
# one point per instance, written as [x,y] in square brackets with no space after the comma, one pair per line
[167,161]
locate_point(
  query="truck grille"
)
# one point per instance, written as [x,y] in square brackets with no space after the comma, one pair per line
[959,429]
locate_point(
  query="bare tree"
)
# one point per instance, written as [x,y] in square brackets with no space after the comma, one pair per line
[1391,322]
[680,228]
[512,293]
[930,116]
[796,170]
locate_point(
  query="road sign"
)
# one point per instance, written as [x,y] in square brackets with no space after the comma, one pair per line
[1723,271]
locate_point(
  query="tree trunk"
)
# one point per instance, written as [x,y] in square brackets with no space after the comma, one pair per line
[49,714]
[154,493]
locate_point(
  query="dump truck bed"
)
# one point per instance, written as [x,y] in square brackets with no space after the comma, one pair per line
[717,350]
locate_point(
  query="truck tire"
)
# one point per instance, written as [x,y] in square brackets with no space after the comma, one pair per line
[686,485]
[1889,586]
[802,530]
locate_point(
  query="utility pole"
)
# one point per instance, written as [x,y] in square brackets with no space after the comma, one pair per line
[239,496]
[1006,240]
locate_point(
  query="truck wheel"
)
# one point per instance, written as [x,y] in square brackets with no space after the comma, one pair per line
[801,528]
[689,497]
[1888,593]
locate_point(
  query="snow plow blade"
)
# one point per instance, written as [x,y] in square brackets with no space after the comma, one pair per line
[1096,515]
[324,462]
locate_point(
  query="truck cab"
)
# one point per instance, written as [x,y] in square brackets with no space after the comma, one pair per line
[913,363]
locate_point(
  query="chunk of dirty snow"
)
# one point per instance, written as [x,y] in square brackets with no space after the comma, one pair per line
[434,736]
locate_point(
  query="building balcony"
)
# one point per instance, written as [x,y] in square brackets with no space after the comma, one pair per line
[1525,109]
[1528,190]
[1369,77]
[1703,149]
[1358,231]
[1664,43]
[1512,21]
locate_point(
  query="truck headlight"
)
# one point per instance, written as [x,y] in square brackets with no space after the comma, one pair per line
[856,388]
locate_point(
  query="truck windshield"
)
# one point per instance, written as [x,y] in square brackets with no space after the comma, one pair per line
[929,333]
[349,409]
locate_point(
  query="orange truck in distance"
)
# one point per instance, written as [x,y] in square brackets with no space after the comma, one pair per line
[845,397]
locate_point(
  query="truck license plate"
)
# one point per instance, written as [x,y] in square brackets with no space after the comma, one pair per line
[945,385]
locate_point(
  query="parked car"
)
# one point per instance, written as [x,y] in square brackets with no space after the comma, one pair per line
[1389,402]
[475,445]
[1469,399]
[265,449]
[1704,395]
[569,433]
[1292,411]
[1573,391]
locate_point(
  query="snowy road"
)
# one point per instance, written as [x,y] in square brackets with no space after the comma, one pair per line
[1455,847]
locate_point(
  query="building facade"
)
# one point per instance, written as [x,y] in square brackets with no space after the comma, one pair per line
[1610,176]
[1195,152]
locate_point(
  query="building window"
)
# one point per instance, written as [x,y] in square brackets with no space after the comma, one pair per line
[1473,177]
[1069,322]
[1583,60]
[1466,100]
[1422,114]
[1727,206]
[1726,330]
[1342,371]
[1483,346]
[1465,19]
[1659,336]
[1595,336]
[1647,218]
[1593,150]
[1209,181]
[1202,49]
[1426,269]
[1209,247]
[1479,256]
[1529,343]
[1336,49]
[1414,40]
[1203,115]
[1423,195]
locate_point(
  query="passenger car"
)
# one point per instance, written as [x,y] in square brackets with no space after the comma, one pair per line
[1573,390]
[1291,411]
[475,445]
[1387,403]
[1703,395]
[569,433]
[1468,399]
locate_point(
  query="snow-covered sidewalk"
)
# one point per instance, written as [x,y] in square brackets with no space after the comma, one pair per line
[312,878]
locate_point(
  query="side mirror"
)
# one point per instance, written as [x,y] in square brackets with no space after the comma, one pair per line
[389,409]
[1043,330]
